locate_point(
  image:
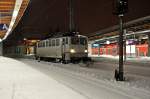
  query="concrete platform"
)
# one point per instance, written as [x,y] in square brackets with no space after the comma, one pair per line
[20,81]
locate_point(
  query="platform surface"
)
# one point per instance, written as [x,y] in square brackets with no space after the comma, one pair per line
[20,81]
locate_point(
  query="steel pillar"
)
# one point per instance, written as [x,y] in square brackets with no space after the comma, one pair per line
[121,73]
[71,16]
[125,55]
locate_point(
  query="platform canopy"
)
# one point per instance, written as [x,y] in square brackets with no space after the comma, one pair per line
[10,13]
[46,17]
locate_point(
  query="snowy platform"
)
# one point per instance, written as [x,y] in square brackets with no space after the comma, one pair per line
[19,81]
[29,79]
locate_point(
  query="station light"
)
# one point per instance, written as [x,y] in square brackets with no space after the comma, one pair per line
[24,39]
[120,7]
[127,42]
[107,42]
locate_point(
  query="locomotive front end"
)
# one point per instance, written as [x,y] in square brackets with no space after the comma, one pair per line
[78,48]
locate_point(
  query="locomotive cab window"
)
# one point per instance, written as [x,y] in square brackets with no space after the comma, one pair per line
[83,41]
[74,40]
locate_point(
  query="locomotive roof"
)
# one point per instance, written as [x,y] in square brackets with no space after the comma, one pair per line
[63,36]
[67,34]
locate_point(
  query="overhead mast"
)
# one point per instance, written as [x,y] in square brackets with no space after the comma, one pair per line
[71,17]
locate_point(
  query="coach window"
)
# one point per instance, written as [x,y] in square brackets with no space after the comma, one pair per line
[39,44]
[53,42]
[57,42]
[66,40]
[43,44]
[47,43]
[50,43]
[63,42]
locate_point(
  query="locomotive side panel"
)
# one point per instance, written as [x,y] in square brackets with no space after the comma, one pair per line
[65,48]
[49,48]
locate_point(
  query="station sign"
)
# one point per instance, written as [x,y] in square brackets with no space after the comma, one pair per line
[3,27]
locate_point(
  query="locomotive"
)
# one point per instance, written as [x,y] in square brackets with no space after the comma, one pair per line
[65,48]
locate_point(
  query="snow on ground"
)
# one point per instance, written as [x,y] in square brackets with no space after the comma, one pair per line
[19,81]
[29,79]
[131,88]
[132,80]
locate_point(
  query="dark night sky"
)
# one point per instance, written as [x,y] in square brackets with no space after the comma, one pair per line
[44,16]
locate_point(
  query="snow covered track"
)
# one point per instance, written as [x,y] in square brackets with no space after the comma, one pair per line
[29,79]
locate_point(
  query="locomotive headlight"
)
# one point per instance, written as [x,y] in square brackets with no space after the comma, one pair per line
[72,51]
[85,51]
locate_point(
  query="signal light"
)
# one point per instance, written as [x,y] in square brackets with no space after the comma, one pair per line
[120,7]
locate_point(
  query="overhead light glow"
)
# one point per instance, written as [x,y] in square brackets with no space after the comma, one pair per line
[15,13]
[0,40]
[9,30]
[11,24]
[127,42]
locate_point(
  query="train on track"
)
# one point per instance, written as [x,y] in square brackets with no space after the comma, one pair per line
[63,49]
